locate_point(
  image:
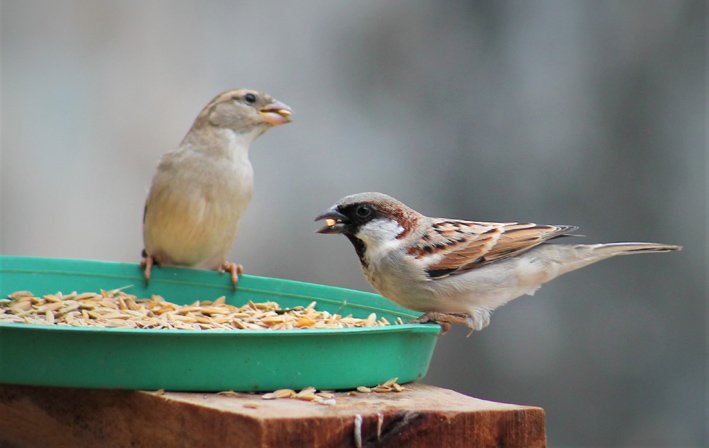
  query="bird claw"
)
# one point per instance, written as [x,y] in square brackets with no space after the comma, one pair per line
[433,318]
[234,269]
[445,320]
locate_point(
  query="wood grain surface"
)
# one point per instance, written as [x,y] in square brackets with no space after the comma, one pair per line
[420,416]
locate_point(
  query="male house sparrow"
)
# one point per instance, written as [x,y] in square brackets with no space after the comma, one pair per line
[201,189]
[458,271]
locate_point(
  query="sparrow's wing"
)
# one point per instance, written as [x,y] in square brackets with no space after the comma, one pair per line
[456,246]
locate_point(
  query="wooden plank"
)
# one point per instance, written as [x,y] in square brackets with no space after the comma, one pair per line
[421,416]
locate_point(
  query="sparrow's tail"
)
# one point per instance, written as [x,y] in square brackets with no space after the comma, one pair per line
[613,249]
[585,254]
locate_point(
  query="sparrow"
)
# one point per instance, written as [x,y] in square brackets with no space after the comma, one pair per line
[455,271]
[201,189]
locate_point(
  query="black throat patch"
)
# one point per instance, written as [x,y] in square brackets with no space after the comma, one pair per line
[360,248]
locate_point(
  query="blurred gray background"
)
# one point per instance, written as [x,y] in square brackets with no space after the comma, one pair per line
[563,112]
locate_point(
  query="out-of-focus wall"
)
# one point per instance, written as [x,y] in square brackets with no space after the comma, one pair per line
[564,112]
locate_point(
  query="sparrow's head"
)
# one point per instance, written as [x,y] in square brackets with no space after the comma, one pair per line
[370,218]
[244,111]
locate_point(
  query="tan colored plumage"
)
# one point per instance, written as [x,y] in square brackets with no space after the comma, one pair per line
[201,189]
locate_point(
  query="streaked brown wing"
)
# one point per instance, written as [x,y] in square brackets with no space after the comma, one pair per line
[467,245]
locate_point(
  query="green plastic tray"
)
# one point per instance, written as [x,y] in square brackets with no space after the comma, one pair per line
[193,360]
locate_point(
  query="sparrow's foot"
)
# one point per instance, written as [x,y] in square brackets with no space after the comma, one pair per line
[433,318]
[476,321]
[233,269]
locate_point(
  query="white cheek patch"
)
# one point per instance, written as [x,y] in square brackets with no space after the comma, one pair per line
[379,236]
[379,229]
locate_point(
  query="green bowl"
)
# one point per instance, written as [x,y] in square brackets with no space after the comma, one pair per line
[214,360]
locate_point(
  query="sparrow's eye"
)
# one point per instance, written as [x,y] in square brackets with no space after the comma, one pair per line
[250,98]
[363,211]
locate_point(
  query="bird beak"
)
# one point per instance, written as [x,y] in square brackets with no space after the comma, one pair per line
[335,221]
[276,113]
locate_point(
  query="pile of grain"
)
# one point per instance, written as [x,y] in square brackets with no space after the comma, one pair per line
[116,309]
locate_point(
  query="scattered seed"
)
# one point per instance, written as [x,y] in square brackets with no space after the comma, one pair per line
[326,395]
[284,393]
[389,382]
[68,307]
[307,394]
[391,385]
[21,306]
[86,295]
[19,295]
[228,393]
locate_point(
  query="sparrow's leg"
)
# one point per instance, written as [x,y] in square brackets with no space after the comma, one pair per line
[147,264]
[233,269]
